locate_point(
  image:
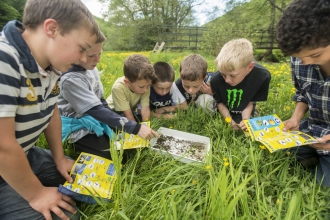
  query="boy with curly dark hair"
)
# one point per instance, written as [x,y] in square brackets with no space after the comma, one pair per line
[303,32]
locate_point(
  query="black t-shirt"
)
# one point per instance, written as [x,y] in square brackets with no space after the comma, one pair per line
[253,88]
[158,101]
[185,94]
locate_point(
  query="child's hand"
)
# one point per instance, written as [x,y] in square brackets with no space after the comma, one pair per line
[291,124]
[242,125]
[147,133]
[206,88]
[234,125]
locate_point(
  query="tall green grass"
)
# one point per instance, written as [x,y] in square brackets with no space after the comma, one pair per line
[239,180]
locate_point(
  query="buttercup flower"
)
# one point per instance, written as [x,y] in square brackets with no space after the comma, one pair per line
[262,147]
[208,167]
[226,164]
[194,182]
[225,159]
[173,191]
[228,120]
[170,127]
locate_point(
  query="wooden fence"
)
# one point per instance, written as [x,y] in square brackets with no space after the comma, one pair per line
[178,38]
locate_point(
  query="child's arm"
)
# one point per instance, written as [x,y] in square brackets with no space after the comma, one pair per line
[226,114]
[246,114]
[129,114]
[299,112]
[53,134]
[162,112]
[145,113]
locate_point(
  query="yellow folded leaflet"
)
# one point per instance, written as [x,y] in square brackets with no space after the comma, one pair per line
[268,130]
[130,141]
[93,177]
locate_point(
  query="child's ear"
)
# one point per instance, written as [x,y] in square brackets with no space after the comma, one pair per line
[51,28]
[250,67]
[126,81]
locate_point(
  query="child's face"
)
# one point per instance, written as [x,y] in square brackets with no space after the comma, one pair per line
[318,56]
[162,88]
[64,50]
[192,87]
[235,77]
[139,86]
[93,57]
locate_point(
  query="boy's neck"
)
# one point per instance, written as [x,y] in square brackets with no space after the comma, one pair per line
[35,40]
[325,70]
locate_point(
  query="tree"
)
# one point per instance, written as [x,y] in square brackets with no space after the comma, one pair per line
[247,19]
[11,10]
[138,20]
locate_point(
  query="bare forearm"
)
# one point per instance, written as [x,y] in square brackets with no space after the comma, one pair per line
[223,110]
[129,115]
[299,111]
[246,113]
[53,134]
[145,113]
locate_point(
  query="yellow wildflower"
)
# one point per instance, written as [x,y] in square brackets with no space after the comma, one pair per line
[194,182]
[288,153]
[208,167]
[228,120]
[226,164]
[262,147]
[278,201]
[170,127]
[173,191]
[225,159]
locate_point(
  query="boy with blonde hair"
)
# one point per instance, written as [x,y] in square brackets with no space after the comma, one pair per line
[133,88]
[33,55]
[194,83]
[239,82]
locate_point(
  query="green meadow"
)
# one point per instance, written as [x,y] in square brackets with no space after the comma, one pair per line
[240,179]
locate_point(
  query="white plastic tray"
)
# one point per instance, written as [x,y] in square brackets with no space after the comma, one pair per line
[182,136]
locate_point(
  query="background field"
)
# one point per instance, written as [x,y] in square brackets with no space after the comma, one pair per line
[241,180]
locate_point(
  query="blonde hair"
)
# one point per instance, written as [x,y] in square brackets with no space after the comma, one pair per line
[193,67]
[235,54]
[69,14]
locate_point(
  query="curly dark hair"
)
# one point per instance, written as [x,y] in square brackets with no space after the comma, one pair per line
[304,24]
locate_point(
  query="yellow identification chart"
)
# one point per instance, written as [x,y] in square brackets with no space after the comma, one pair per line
[268,130]
[129,141]
[93,176]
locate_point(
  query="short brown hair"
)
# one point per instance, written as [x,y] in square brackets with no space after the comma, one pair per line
[69,14]
[138,67]
[164,72]
[193,67]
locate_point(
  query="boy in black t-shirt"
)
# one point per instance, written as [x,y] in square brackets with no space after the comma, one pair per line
[239,83]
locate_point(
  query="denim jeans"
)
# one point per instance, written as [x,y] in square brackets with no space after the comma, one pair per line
[13,206]
[322,170]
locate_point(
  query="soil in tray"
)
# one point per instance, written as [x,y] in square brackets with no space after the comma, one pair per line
[188,149]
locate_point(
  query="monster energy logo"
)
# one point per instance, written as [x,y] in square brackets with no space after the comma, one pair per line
[233,93]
